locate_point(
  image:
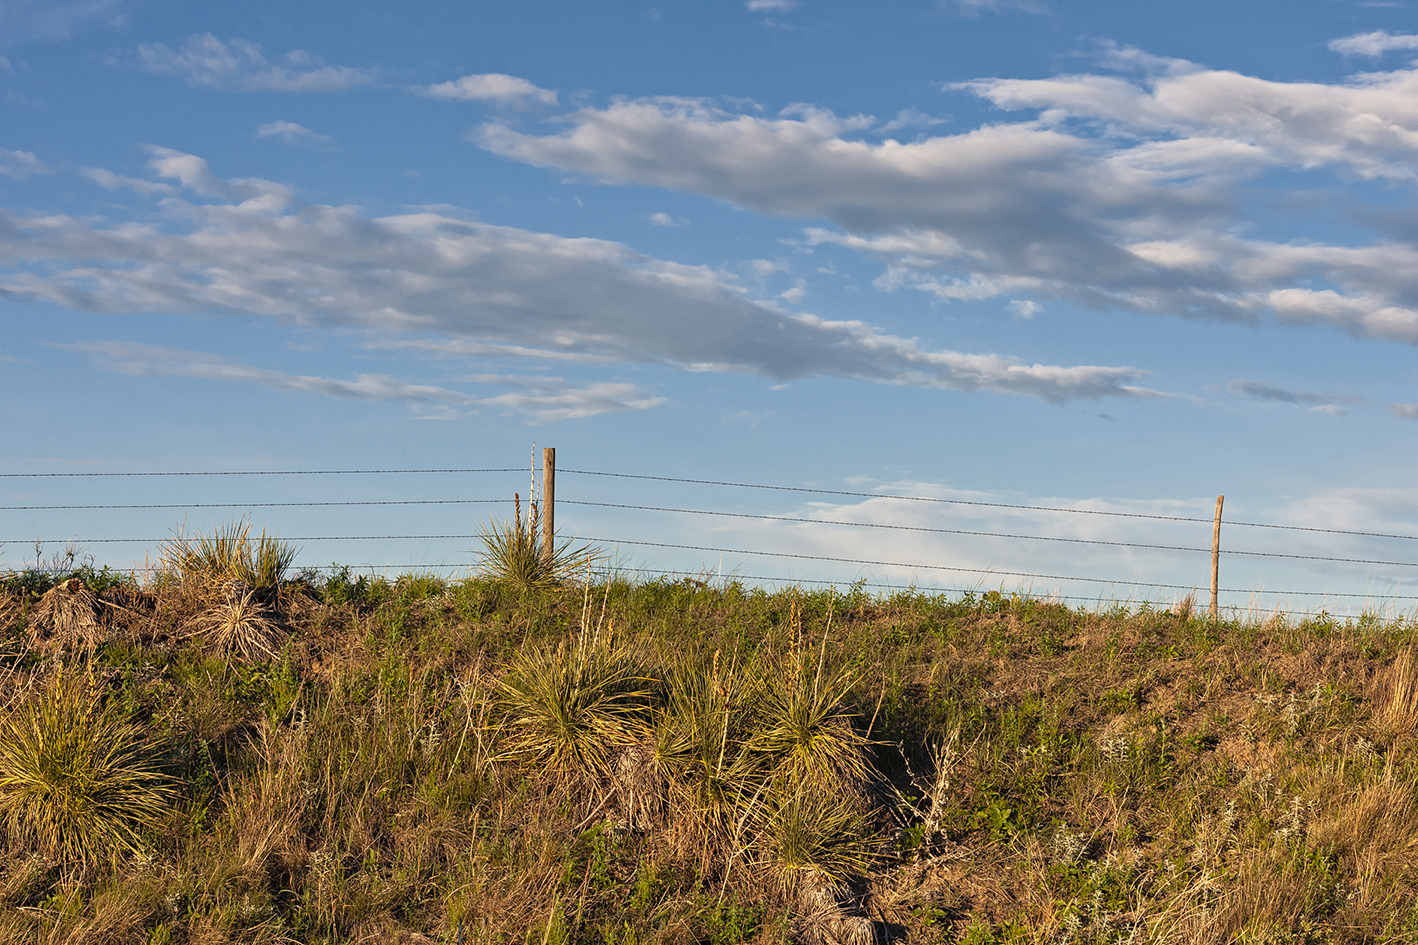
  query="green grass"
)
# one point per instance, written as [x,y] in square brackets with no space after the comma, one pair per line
[78,783]
[728,765]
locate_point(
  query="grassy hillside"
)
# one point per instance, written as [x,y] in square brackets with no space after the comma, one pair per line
[214,758]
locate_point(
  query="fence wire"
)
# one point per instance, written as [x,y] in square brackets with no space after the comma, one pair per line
[720,513]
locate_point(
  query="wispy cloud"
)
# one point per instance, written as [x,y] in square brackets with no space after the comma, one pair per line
[26,20]
[1373,44]
[254,250]
[21,164]
[491,87]
[238,65]
[911,118]
[771,6]
[664,219]
[291,133]
[540,399]
[977,7]
[111,181]
[1261,390]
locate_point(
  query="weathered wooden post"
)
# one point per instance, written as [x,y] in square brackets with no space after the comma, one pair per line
[1216,557]
[548,506]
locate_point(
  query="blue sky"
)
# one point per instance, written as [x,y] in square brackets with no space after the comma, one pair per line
[1112,256]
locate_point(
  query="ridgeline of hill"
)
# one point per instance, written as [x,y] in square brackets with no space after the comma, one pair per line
[351,759]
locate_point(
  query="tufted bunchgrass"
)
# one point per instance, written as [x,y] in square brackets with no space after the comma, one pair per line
[78,782]
[572,707]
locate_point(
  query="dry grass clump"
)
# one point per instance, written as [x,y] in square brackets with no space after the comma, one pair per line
[242,626]
[67,618]
[77,780]
[9,608]
[1399,714]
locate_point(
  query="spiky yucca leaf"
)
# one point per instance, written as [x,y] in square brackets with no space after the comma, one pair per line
[77,781]
[228,554]
[573,707]
[804,732]
[814,835]
[699,736]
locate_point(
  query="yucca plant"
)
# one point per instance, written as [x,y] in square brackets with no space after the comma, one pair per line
[513,552]
[68,618]
[699,736]
[228,554]
[574,707]
[815,840]
[803,731]
[78,783]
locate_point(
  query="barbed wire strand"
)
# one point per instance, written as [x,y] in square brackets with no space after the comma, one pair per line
[733,577]
[898,564]
[716,482]
[263,472]
[1255,554]
[904,528]
[254,505]
[993,505]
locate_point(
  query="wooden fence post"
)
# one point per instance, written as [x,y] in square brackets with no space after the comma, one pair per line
[1216,556]
[548,505]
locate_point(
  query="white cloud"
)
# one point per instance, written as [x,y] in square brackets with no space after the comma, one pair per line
[238,65]
[1406,411]
[26,20]
[111,181]
[428,275]
[1373,44]
[21,164]
[291,133]
[1023,308]
[541,399]
[771,6]
[491,87]
[911,118]
[1120,194]
[976,7]
[664,219]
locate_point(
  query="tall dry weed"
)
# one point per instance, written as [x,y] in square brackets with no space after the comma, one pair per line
[1399,687]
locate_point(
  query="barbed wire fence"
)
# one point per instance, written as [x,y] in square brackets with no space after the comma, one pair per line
[914,568]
